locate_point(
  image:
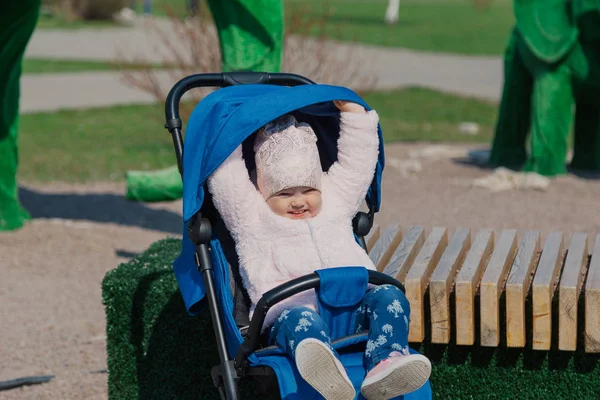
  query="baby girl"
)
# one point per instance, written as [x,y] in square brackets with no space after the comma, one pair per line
[300,220]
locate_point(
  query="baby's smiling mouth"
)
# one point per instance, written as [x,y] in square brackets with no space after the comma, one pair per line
[298,213]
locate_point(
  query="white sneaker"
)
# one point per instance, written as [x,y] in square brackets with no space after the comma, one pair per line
[396,375]
[323,371]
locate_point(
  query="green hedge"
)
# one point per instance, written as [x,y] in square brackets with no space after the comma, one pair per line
[157,351]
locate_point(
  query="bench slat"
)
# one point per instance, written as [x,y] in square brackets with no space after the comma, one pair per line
[491,287]
[385,246]
[517,286]
[372,237]
[569,289]
[467,282]
[491,265]
[442,280]
[592,302]
[405,254]
[418,277]
[544,285]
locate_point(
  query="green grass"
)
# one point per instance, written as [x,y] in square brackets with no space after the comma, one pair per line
[103,143]
[58,22]
[166,7]
[417,114]
[95,144]
[449,26]
[51,66]
[159,8]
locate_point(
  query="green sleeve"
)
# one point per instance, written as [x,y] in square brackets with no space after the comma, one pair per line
[547,26]
[250,33]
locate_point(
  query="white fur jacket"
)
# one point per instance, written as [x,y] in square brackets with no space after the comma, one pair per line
[273,249]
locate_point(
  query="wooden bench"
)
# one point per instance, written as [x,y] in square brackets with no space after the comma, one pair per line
[473,284]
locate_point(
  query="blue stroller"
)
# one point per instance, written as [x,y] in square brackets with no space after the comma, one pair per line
[207,269]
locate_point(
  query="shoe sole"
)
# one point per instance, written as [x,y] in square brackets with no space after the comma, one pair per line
[404,378]
[317,365]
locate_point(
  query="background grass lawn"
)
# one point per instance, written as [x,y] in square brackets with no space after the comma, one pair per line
[449,26]
[103,143]
[53,66]
[57,22]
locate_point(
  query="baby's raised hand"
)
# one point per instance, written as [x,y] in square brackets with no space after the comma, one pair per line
[347,106]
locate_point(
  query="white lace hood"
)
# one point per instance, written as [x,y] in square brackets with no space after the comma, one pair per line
[286,156]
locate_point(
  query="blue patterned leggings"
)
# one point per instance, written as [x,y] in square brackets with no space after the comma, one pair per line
[384,311]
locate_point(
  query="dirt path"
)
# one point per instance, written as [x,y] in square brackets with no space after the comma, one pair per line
[50,295]
[440,196]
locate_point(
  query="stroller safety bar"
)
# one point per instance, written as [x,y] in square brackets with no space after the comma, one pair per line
[282,292]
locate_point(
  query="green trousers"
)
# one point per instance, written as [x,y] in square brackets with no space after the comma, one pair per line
[586,146]
[537,102]
[17,22]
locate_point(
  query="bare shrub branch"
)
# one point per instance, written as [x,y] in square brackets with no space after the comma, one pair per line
[191,46]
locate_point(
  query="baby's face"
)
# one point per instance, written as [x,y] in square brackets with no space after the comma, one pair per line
[296,203]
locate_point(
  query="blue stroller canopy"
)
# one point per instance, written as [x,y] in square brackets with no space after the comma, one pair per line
[226,117]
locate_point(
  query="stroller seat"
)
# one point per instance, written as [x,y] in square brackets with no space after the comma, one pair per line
[207,269]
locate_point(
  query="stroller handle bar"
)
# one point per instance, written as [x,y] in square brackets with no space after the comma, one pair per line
[284,291]
[173,122]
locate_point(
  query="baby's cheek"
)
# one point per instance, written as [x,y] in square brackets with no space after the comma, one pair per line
[278,206]
[316,206]
[315,201]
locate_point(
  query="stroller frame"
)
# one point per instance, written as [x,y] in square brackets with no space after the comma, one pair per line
[227,374]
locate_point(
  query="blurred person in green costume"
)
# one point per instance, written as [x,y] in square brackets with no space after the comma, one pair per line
[251,39]
[551,64]
[586,151]
[17,22]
